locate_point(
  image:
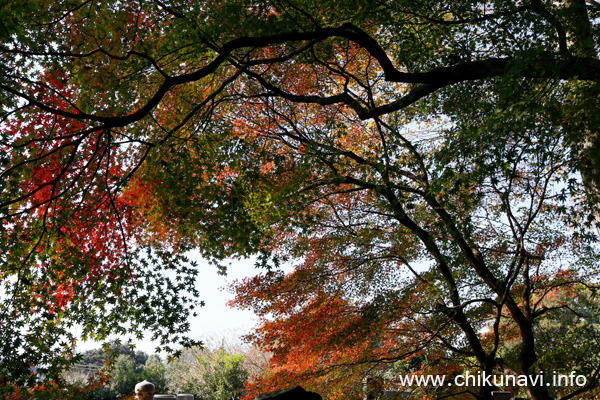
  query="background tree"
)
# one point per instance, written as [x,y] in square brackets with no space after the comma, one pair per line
[94,359]
[567,336]
[453,140]
[124,376]
[220,373]
[224,378]
[123,371]
[101,365]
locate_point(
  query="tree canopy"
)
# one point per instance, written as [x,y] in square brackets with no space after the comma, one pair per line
[429,168]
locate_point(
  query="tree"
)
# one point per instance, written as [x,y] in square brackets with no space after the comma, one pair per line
[93,360]
[567,336]
[121,372]
[455,141]
[209,375]
[224,377]
[125,374]
[100,367]
[155,371]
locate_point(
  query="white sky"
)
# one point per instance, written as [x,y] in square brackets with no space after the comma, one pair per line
[215,320]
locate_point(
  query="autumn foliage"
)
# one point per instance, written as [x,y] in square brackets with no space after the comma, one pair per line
[417,180]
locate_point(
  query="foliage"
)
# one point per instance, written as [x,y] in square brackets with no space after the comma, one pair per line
[420,259]
[209,375]
[123,369]
[155,371]
[567,336]
[429,169]
[224,377]
[124,376]
[94,359]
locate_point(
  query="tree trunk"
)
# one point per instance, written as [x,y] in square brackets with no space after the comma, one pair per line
[585,100]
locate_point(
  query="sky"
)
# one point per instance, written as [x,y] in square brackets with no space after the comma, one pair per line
[215,321]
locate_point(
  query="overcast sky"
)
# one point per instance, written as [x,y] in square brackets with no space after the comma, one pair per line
[215,318]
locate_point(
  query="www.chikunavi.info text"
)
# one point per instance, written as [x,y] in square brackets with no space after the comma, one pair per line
[483,379]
